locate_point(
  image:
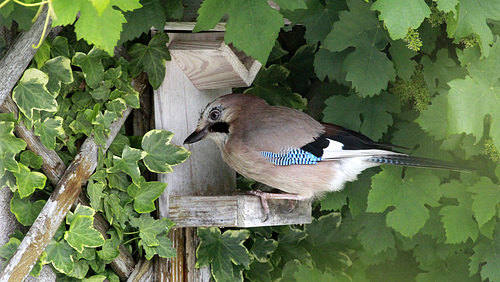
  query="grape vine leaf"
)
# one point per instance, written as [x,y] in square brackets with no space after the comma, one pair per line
[91,65]
[60,254]
[151,58]
[317,17]
[400,16]
[433,120]
[471,17]
[81,233]
[370,116]
[401,57]
[27,181]
[488,252]
[8,142]
[375,236]
[252,27]
[409,196]
[221,252]
[152,13]
[333,69]
[438,73]
[447,5]
[290,246]
[458,219]
[128,163]
[307,273]
[291,4]
[145,194]
[478,95]
[485,200]
[25,210]
[160,154]
[267,86]
[48,130]
[259,271]
[453,268]
[31,93]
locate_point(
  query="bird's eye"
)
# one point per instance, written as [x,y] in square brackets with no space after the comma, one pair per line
[214,114]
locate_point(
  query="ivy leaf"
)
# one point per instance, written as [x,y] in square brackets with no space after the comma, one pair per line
[128,163]
[27,181]
[267,86]
[28,158]
[317,17]
[164,249]
[259,271]
[369,71]
[370,116]
[145,194]
[31,93]
[457,220]
[222,252]
[152,13]
[91,65]
[8,142]
[262,248]
[59,71]
[485,200]
[60,254]
[25,211]
[95,194]
[149,228]
[160,154]
[48,130]
[110,247]
[90,24]
[290,246]
[471,18]
[401,57]
[487,252]
[81,233]
[409,197]
[399,17]
[472,98]
[252,27]
[60,47]
[116,106]
[151,58]
[9,163]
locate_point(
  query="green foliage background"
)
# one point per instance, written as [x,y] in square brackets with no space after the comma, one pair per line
[419,74]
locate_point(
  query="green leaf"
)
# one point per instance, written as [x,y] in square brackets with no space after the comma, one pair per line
[290,246]
[151,59]
[60,47]
[8,163]
[59,71]
[28,158]
[401,57]
[369,71]
[409,196]
[375,236]
[152,13]
[48,130]
[252,27]
[291,4]
[110,247]
[259,271]
[81,233]
[90,24]
[149,228]
[27,181]
[478,95]
[128,163]
[433,120]
[438,73]
[267,86]
[60,254]
[222,252]
[160,154]
[400,16]
[42,55]
[329,64]
[485,200]
[473,19]
[487,253]
[301,272]
[91,65]
[454,268]
[31,93]
[164,249]
[8,249]
[370,116]
[116,106]
[25,211]
[145,194]
[317,17]
[8,142]
[457,220]
[262,248]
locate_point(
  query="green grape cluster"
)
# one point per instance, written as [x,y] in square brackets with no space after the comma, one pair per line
[437,16]
[413,40]
[413,91]
[469,40]
[491,150]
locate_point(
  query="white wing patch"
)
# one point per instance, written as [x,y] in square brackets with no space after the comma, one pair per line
[335,151]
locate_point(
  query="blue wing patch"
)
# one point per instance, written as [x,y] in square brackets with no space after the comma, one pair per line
[291,157]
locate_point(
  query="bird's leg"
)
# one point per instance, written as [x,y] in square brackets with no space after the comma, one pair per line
[281,196]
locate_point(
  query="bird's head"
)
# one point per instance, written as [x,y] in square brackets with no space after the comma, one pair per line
[218,118]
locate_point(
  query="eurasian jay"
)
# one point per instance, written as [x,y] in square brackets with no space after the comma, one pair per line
[288,150]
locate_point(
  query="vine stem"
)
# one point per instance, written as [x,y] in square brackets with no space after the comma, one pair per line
[4,3]
[42,38]
[29,5]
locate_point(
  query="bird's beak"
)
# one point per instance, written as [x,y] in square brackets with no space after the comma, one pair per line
[196,136]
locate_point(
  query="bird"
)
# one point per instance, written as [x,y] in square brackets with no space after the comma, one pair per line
[288,150]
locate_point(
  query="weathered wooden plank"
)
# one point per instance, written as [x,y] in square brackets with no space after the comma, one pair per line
[235,211]
[211,64]
[189,26]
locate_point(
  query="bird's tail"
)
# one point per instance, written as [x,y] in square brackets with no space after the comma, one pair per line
[405,160]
